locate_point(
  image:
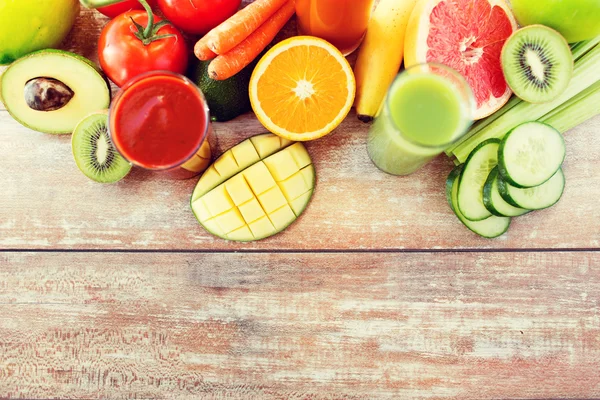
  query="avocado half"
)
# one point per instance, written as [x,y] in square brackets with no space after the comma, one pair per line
[52,90]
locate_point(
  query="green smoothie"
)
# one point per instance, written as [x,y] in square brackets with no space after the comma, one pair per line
[423,114]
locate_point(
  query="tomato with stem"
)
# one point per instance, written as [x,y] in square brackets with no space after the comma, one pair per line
[138,41]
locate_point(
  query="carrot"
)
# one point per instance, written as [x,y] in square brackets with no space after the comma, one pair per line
[227,65]
[202,51]
[241,25]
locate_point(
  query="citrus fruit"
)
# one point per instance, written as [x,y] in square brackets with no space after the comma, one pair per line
[302,89]
[468,36]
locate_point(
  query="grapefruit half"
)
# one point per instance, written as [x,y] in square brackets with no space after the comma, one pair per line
[468,36]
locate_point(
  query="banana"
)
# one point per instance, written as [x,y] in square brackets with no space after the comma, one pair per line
[380,55]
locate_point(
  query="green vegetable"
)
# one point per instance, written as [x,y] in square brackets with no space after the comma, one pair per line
[494,202]
[531,154]
[535,198]
[576,111]
[490,227]
[470,186]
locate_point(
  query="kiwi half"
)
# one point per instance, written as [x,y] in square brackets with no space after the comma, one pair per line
[537,63]
[94,153]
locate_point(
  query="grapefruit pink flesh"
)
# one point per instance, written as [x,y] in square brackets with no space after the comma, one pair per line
[468,36]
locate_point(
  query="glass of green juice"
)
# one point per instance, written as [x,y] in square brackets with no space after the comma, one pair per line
[427,108]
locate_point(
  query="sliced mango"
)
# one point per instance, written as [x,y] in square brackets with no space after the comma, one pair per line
[281,165]
[201,210]
[238,158]
[238,190]
[245,154]
[268,144]
[283,217]
[201,159]
[251,211]
[272,200]
[230,220]
[240,234]
[300,155]
[262,228]
[226,165]
[255,190]
[299,204]
[296,185]
[259,178]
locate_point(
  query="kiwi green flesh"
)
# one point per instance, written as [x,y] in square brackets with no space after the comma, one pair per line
[537,64]
[94,153]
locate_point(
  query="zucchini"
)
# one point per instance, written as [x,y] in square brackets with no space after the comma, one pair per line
[490,227]
[531,154]
[535,198]
[495,203]
[477,168]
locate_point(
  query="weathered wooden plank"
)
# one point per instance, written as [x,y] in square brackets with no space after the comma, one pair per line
[299,326]
[48,203]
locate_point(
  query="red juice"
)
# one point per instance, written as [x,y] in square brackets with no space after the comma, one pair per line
[160,121]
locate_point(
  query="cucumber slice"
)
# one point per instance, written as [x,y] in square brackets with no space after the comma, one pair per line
[535,198]
[481,161]
[490,227]
[531,154]
[495,203]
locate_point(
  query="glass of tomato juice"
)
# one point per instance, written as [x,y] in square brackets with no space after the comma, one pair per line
[343,23]
[160,121]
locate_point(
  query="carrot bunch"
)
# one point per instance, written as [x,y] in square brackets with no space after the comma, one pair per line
[235,43]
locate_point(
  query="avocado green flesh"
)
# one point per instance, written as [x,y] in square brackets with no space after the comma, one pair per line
[91,92]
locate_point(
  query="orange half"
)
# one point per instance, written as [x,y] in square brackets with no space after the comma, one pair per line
[302,89]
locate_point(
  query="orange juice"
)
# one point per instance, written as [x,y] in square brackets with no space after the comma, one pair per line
[343,23]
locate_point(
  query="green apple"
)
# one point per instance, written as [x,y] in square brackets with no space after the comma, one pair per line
[576,20]
[30,25]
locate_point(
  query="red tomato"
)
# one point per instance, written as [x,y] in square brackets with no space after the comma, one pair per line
[123,54]
[198,16]
[124,6]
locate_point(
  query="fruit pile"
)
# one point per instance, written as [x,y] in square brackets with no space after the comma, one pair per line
[528,86]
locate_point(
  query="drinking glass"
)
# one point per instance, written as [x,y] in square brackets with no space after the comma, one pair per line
[427,108]
[343,23]
[160,121]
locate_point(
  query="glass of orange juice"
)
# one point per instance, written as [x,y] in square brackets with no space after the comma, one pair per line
[343,23]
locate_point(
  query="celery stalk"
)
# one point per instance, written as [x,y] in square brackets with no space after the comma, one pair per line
[579,50]
[560,109]
[577,112]
[586,74]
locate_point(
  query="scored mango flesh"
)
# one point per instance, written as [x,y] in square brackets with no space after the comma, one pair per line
[255,190]
[200,161]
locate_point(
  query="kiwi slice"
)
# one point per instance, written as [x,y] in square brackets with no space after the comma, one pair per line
[537,63]
[94,153]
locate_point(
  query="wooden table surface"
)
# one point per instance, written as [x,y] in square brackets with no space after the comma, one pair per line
[377,291]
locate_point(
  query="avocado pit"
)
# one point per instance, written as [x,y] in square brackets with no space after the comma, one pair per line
[47,94]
